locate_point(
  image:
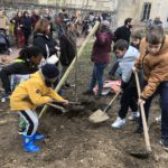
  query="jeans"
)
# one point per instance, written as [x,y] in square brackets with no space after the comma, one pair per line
[97,76]
[162,90]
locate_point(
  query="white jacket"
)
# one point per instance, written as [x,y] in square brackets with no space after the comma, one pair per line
[127,62]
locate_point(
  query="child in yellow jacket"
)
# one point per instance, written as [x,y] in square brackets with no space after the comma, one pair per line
[30,94]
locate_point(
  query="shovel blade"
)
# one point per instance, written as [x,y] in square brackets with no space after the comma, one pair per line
[139,154]
[98,117]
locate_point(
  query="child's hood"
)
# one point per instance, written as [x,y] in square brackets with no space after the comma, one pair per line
[38,76]
[131,54]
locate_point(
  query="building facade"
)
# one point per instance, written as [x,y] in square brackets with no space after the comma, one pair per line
[101,5]
[139,10]
[142,10]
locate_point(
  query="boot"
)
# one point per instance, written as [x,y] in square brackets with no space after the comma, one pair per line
[28,144]
[37,136]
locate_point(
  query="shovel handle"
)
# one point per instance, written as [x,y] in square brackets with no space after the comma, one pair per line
[110,103]
[144,122]
[70,102]
[56,107]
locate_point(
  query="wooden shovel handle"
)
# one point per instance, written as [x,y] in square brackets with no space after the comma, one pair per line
[144,122]
[111,102]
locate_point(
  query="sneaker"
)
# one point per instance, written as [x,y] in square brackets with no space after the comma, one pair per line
[118,123]
[89,92]
[158,119]
[134,116]
[164,144]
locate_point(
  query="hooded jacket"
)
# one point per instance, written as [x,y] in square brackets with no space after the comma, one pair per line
[127,62]
[155,67]
[45,43]
[32,93]
[102,46]
[68,48]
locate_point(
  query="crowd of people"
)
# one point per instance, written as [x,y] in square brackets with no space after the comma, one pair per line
[37,70]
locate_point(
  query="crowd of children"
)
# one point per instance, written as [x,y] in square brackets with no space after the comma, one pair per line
[148,56]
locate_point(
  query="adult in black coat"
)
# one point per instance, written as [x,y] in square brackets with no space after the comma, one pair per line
[68,45]
[43,40]
[26,26]
[124,32]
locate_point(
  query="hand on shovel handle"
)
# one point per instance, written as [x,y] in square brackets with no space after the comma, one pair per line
[57,107]
[141,102]
[134,69]
[65,102]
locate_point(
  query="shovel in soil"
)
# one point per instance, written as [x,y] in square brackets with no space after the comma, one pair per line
[101,116]
[62,109]
[140,154]
[75,106]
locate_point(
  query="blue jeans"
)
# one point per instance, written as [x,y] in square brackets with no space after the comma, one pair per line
[97,76]
[162,90]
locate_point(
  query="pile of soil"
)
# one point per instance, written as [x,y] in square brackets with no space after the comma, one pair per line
[72,141]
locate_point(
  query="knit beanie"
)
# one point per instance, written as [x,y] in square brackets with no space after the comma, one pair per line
[50,71]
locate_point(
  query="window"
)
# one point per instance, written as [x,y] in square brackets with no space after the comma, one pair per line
[146,11]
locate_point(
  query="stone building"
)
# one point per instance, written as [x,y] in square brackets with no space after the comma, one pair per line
[139,10]
[142,10]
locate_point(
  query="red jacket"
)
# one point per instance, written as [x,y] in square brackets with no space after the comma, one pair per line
[102,47]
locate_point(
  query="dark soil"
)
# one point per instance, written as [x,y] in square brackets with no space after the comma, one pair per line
[73,142]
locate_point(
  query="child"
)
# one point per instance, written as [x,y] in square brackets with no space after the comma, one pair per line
[155,66]
[127,55]
[100,57]
[30,94]
[26,64]
[136,37]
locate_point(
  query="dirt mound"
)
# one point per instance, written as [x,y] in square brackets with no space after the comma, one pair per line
[75,142]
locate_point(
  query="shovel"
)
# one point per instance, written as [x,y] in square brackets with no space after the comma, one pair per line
[146,153]
[101,116]
[63,110]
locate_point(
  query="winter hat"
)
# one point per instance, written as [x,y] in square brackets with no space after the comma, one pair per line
[105,23]
[50,71]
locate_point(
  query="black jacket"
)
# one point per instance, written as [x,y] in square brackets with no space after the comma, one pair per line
[68,48]
[43,42]
[17,68]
